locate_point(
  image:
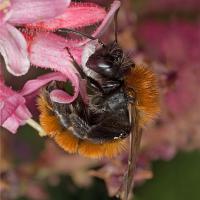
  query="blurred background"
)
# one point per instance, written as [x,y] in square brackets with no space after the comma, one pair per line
[163,34]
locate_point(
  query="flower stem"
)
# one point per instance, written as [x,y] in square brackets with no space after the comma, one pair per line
[36,126]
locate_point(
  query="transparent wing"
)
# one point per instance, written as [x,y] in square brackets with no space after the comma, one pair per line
[135,138]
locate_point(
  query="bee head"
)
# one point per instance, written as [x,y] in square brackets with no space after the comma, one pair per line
[110,62]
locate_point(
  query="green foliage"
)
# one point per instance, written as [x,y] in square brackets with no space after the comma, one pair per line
[178,179]
[67,190]
[28,144]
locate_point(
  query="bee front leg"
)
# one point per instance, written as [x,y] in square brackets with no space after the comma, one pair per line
[80,127]
[131,95]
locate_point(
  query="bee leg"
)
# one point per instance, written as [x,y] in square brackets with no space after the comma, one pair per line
[92,84]
[135,138]
[131,95]
[63,31]
[100,132]
[76,65]
[80,127]
[104,131]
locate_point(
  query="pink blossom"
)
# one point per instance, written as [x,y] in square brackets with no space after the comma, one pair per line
[48,50]
[153,6]
[77,15]
[13,109]
[13,46]
[176,43]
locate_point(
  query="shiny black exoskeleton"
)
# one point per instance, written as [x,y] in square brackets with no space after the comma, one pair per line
[106,116]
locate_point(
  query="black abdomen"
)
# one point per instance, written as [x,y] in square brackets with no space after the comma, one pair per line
[105,118]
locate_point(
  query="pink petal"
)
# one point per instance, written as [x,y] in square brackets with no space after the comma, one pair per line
[14,50]
[30,11]
[18,118]
[33,85]
[9,100]
[76,16]
[47,51]
[61,96]
[108,19]
[12,109]
[105,23]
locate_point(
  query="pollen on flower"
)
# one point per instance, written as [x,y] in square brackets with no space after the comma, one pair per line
[30,33]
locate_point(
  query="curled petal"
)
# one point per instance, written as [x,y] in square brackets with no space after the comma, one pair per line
[105,23]
[108,19]
[33,85]
[48,51]
[14,50]
[60,96]
[75,16]
[13,111]
[30,11]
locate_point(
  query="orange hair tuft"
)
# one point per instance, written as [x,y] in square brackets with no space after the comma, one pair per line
[67,141]
[107,149]
[144,83]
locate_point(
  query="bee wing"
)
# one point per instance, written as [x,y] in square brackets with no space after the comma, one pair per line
[135,138]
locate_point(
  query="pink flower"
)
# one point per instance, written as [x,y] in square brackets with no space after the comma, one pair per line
[77,15]
[13,109]
[48,50]
[13,46]
[176,43]
[163,6]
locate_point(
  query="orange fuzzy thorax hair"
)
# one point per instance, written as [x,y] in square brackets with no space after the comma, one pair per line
[142,80]
[144,83]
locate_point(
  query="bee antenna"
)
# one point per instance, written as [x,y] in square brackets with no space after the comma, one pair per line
[76,65]
[116,25]
[66,30]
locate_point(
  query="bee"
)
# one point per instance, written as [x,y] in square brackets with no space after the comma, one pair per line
[123,98]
